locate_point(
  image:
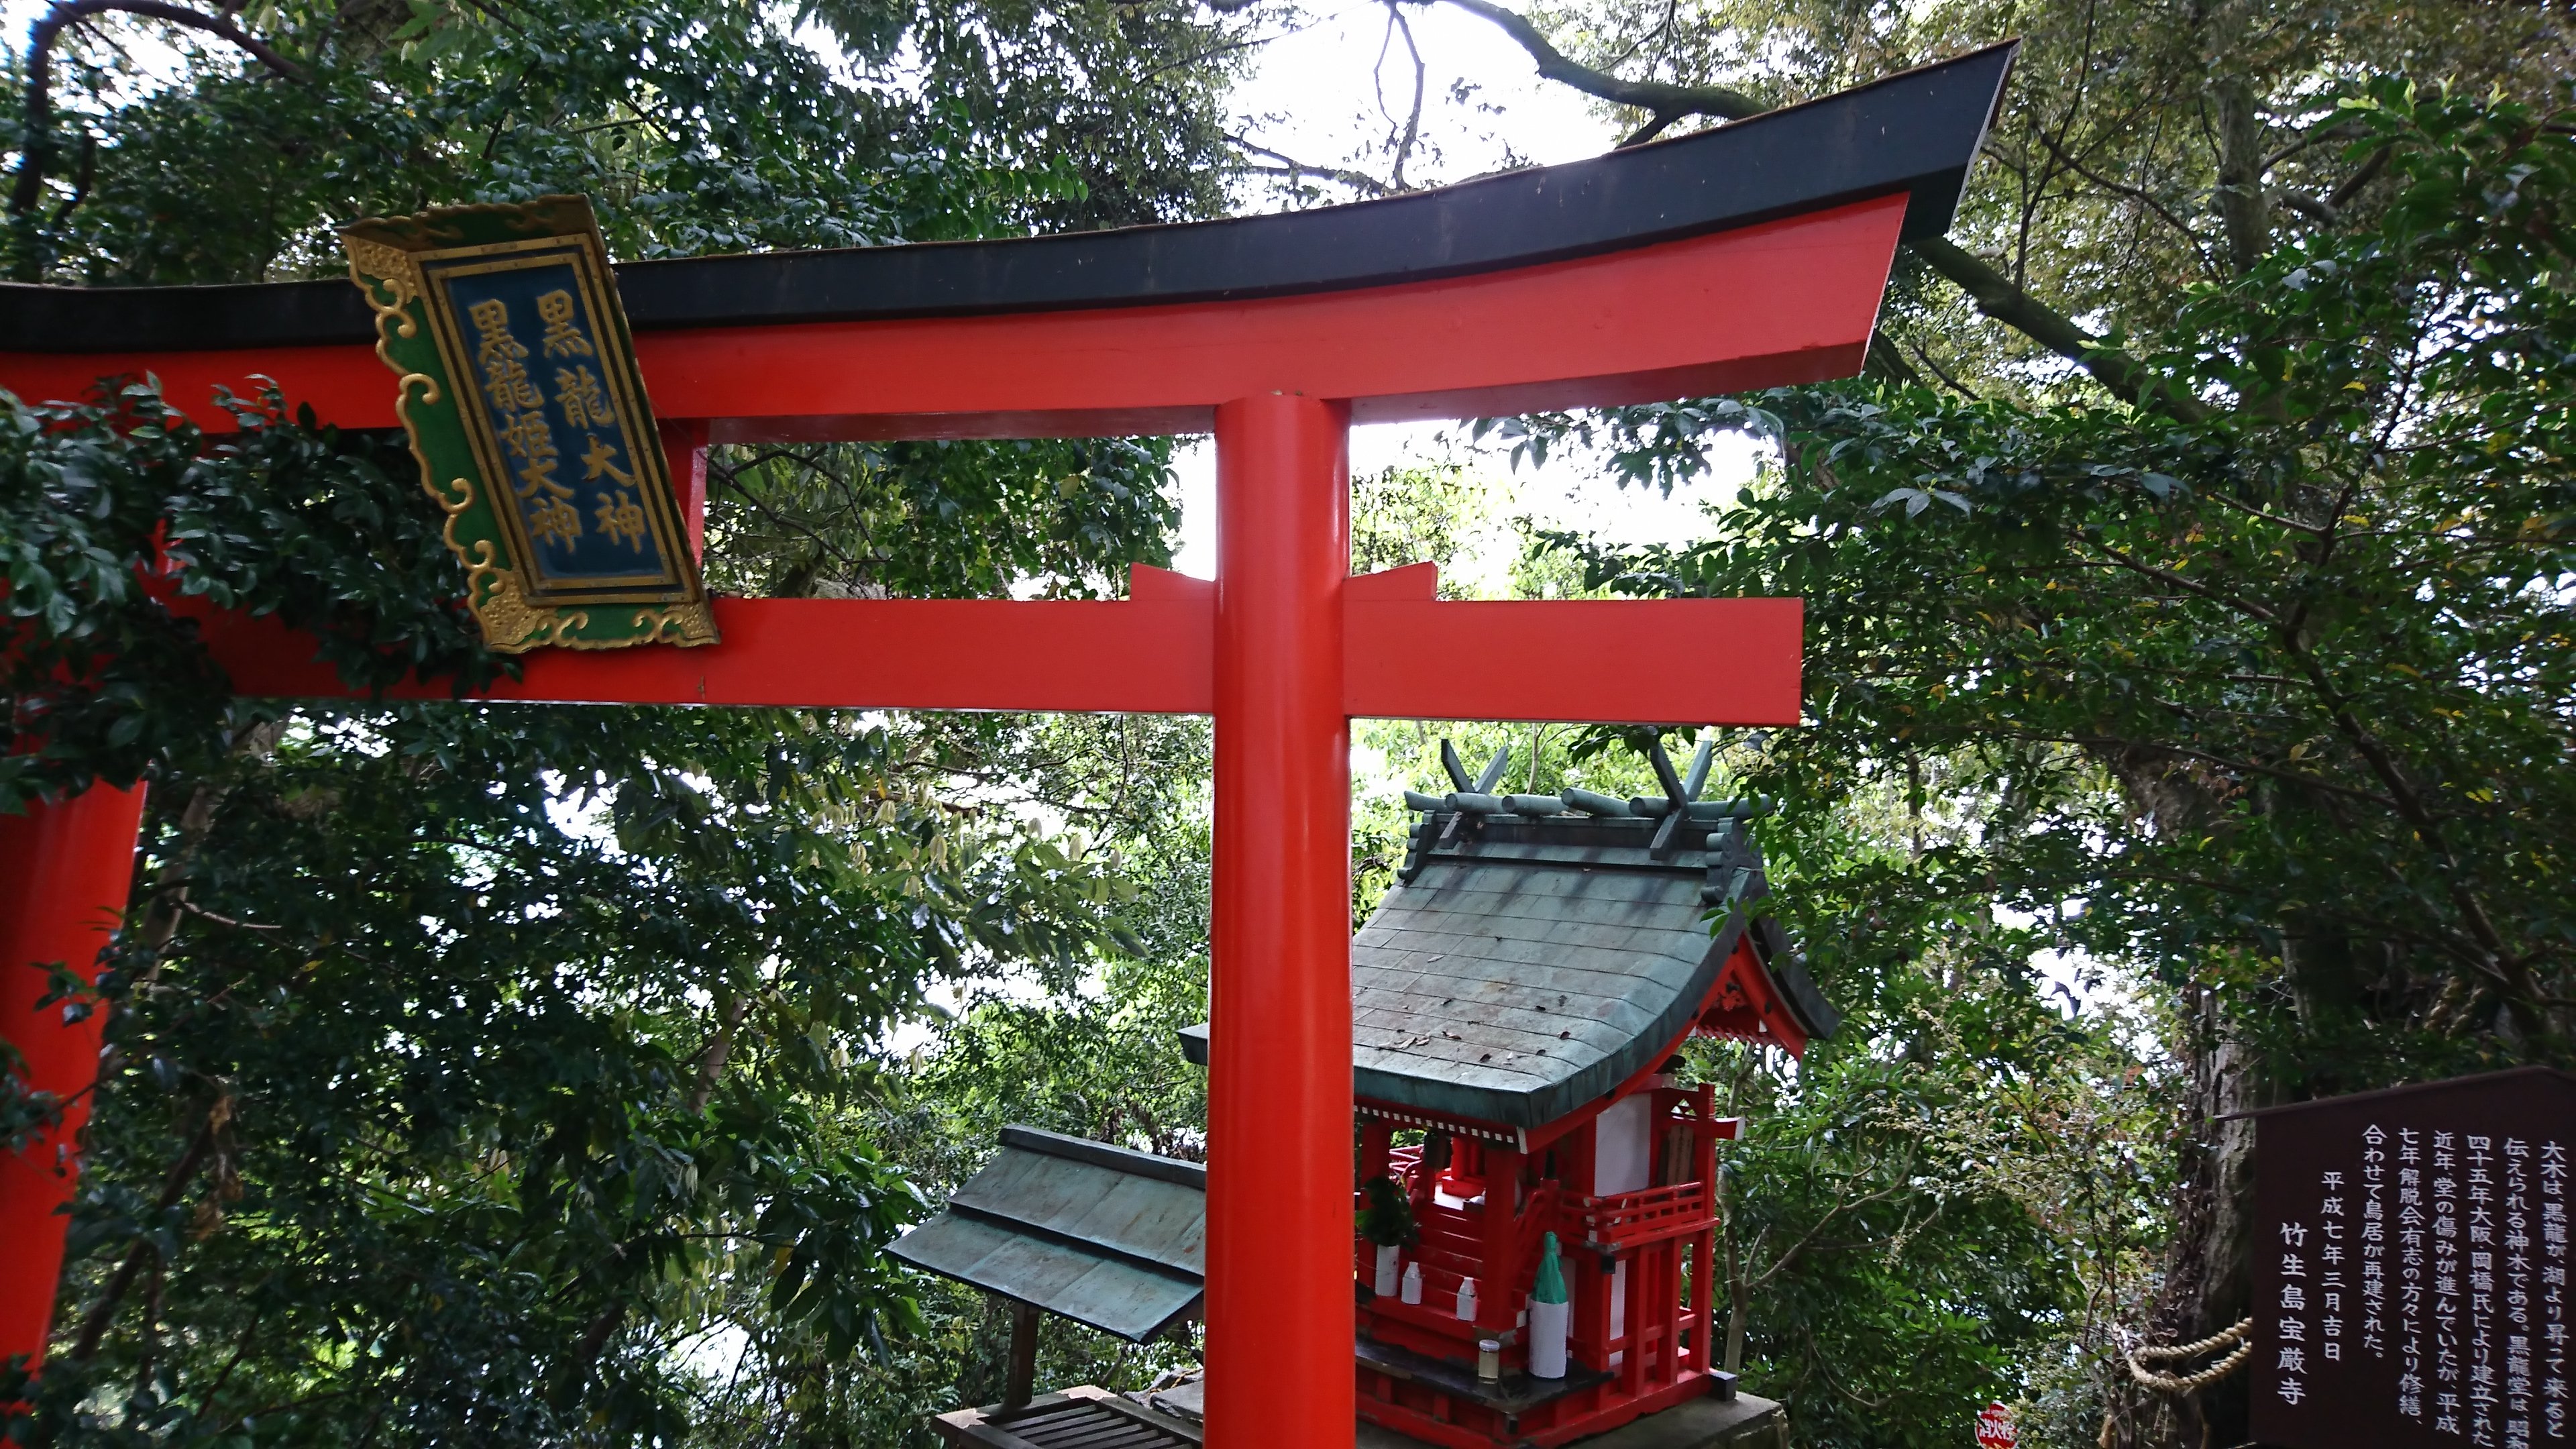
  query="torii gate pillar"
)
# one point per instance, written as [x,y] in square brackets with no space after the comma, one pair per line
[1279,1090]
[65,869]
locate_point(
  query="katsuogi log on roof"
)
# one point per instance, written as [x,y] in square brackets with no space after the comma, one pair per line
[1538,951]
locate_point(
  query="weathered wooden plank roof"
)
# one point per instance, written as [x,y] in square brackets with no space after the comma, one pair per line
[1530,966]
[1537,951]
[1098,1234]
[1082,1417]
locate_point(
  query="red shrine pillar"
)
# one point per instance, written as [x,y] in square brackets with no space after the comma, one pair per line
[1280,1321]
[65,871]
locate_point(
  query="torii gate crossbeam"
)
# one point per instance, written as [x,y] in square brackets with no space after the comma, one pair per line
[1748,256]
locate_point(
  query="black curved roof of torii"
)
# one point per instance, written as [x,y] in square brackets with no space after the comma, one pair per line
[1914,134]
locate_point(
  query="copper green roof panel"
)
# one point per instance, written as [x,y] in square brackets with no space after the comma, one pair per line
[1106,1237]
[1531,967]
[1531,959]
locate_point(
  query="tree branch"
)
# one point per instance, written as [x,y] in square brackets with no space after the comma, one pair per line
[1658,98]
[1396,22]
[1997,296]
[2121,375]
[1292,168]
[2328,210]
[37,148]
[94,1327]
[2366,174]
[2136,194]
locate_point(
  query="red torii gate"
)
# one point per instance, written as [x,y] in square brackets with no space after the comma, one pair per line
[1747,256]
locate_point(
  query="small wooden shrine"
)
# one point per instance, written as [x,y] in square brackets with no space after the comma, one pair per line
[1516,1001]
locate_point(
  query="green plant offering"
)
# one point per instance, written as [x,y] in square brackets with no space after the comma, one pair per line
[1388,1219]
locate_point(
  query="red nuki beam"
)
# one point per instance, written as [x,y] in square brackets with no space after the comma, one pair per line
[1403,655]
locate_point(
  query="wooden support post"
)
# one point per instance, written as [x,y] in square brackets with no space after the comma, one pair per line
[1377,1140]
[1705,1284]
[1704,1275]
[1668,1292]
[1498,1291]
[684,450]
[1704,1139]
[1019,1381]
[1632,1368]
[1592,1309]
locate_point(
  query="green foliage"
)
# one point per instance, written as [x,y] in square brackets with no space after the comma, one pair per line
[2319,632]
[470,1058]
[938,518]
[514,1075]
[2262,693]
[696,128]
[1966,1177]
[1403,516]
[1387,1217]
[478,1058]
[2142,147]
[109,511]
[1093,1053]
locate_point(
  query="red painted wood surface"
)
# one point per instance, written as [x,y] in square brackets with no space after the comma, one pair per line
[1788,301]
[65,870]
[1705,661]
[684,451]
[1280,1319]
[1137,656]
[1611,661]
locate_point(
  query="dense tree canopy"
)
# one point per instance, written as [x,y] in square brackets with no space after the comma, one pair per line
[2262,689]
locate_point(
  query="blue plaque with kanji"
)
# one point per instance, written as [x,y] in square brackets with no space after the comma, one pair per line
[524,404]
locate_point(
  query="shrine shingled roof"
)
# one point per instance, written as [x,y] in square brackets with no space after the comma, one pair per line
[1538,951]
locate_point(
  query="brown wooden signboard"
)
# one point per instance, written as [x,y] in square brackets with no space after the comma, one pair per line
[2410,1266]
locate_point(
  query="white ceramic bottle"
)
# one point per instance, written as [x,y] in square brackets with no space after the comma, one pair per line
[1413,1282]
[1548,1311]
[1466,1300]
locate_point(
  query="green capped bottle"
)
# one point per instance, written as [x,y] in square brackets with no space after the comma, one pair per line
[1550,1287]
[1548,1314]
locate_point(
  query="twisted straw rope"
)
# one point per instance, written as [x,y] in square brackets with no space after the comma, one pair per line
[2238,1333]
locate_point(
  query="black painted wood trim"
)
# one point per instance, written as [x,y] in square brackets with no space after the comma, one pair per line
[1915,133]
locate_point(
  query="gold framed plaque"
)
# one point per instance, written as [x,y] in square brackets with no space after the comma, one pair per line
[519,389]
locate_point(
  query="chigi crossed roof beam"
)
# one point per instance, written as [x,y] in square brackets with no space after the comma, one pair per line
[1751,255]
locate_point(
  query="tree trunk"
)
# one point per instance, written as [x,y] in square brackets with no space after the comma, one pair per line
[2208,1265]
[2243,207]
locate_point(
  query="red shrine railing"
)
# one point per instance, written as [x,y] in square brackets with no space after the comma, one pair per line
[1632,1219]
